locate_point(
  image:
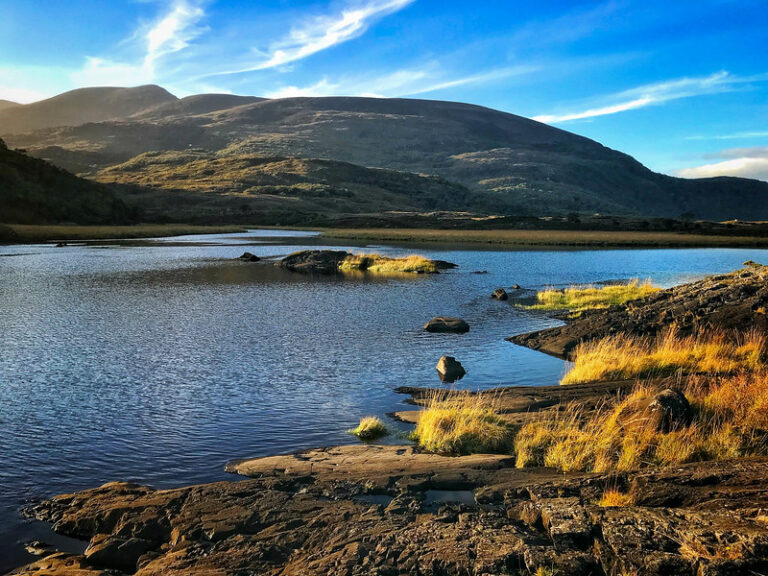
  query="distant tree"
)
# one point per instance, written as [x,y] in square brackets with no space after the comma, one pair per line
[687,217]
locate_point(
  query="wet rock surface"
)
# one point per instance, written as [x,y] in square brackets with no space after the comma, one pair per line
[736,301]
[312,513]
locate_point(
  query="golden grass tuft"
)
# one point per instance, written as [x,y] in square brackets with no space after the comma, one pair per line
[614,498]
[370,428]
[622,356]
[462,424]
[376,263]
[589,298]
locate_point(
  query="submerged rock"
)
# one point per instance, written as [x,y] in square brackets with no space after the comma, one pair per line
[248,257]
[318,261]
[500,294]
[447,324]
[450,369]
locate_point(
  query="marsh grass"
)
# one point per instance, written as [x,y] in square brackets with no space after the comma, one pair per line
[370,428]
[729,421]
[462,424]
[622,356]
[578,299]
[376,263]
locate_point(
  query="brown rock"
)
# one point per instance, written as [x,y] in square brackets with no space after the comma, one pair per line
[450,369]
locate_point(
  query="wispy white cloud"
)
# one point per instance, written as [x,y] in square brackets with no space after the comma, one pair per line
[732,136]
[321,33]
[172,32]
[655,94]
[405,82]
[744,162]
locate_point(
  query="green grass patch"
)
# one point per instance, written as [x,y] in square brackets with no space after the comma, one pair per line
[370,428]
[578,299]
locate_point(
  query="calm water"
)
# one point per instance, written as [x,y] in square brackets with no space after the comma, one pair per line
[158,363]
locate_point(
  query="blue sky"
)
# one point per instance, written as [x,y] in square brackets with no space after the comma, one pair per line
[682,86]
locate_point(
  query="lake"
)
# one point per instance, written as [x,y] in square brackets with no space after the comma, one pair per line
[160,361]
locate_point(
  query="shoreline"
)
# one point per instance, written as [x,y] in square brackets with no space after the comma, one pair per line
[16,234]
[20,234]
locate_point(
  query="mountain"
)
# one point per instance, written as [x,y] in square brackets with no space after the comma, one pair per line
[6,104]
[33,191]
[508,164]
[82,106]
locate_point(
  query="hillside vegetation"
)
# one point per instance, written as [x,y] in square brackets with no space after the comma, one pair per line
[510,164]
[33,191]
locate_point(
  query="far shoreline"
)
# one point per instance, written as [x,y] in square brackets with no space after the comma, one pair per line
[15,234]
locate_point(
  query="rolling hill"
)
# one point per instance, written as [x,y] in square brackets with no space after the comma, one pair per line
[32,191]
[494,162]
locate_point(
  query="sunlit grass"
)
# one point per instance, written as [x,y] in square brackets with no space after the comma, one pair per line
[578,299]
[462,424]
[376,263]
[370,428]
[729,421]
[614,498]
[622,356]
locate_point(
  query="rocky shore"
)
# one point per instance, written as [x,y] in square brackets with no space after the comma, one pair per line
[385,510]
[735,301]
[391,510]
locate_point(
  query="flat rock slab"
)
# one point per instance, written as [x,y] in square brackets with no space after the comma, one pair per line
[736,301]
[379,465]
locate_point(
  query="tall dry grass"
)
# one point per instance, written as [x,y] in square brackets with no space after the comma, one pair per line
[462,424]
[621,356]
[578,299]
[730,420]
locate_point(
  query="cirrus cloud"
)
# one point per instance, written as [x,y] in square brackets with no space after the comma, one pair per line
[655,94]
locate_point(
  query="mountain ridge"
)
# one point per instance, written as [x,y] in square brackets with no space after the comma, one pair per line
[510,164]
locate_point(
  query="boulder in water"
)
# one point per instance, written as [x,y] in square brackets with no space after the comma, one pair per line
[447,324]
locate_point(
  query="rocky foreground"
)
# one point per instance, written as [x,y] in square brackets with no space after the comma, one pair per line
[735,301]
[377,510]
